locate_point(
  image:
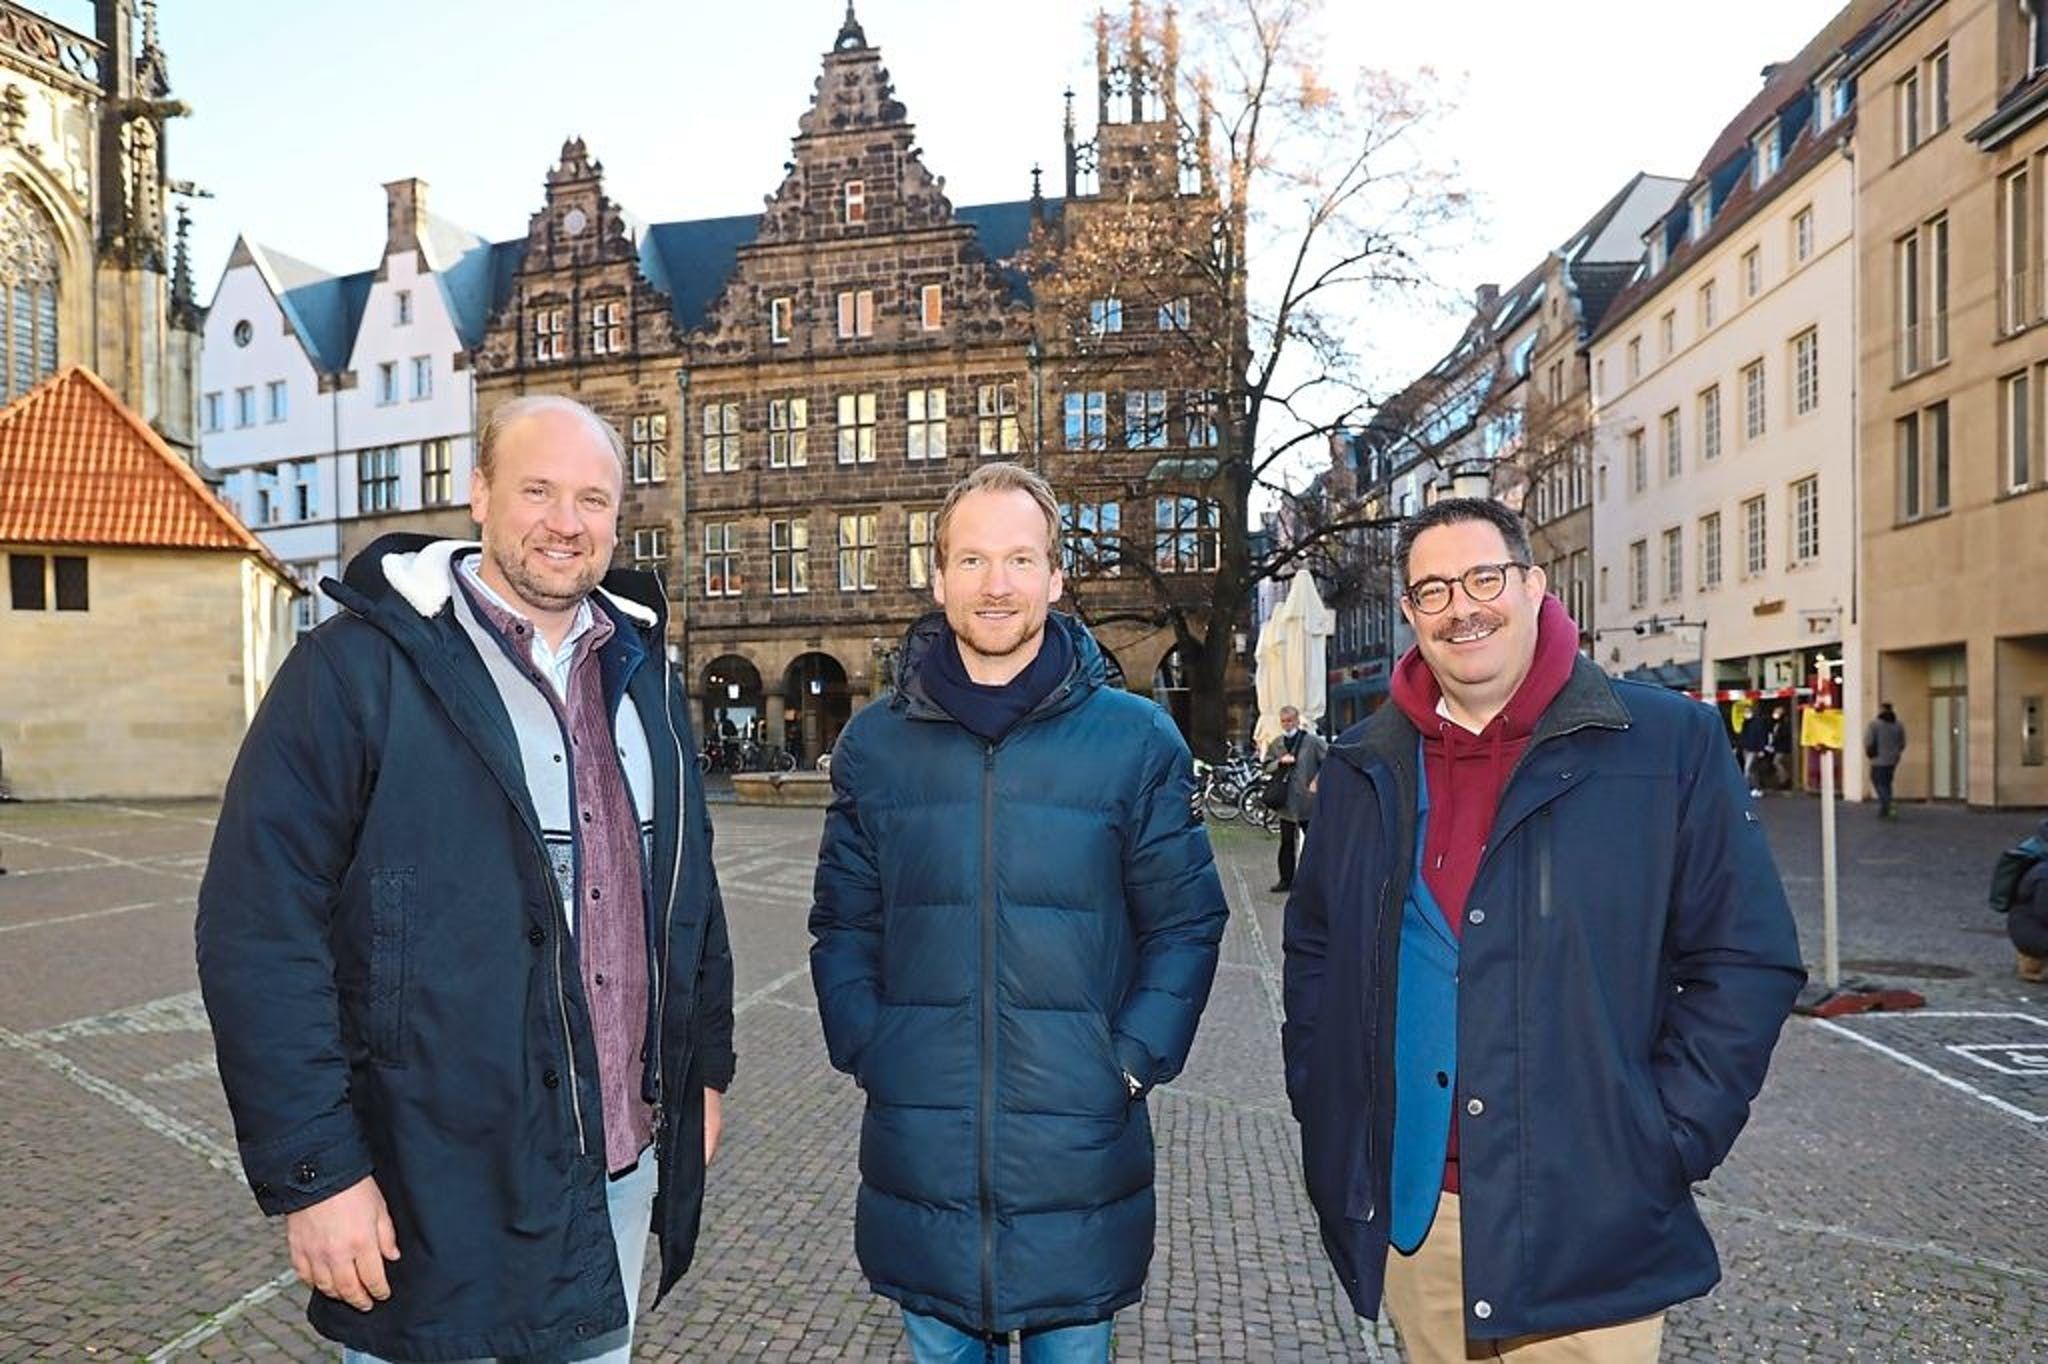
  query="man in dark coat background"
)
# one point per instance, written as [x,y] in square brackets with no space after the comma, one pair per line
[1297,751]
[460,938]
[1537,957]
[1016,924]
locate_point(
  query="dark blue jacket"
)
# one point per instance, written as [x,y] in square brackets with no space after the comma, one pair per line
[1626,961]
[1002,933]
[382,955]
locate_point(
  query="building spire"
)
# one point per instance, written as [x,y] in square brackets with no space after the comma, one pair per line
[851,37]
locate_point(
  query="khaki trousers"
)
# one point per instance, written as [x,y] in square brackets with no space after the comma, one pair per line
[1425,1296]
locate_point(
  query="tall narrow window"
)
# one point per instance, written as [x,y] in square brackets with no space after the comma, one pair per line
[781,319]
[858,551]
[1710,422]
[1674,454]
[1936,441]
[209,412]
[1186,535]
[1802,235]
[387,383]
[1674,563]
[920,523]
[1806,520]
[608,327]
[279,400]
[1635,358]
[1906,459]
[1667,334]
[1638,573]
[2015,254]
[996,430]
[856,313]
[2019,431]
[1756,555]
[422,377]
[1752,272]
[648,452]
[1173,314]
[722,574]
[28,294]
[856,200]
[550,334]
[1709,306]
[1753,400]
[1201,420]
[856,428]
[245,404]
[1710,550]
[789,557]
[789,433]
[437,472]
[931,306]
[1638,462]
[402,307]
[1937,289]
[1906,98]
[1906,306]
[721,438]
[1937,92]
[1806,371]
[924,420]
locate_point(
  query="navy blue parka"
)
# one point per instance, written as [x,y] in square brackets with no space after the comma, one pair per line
[1002,933]
[1626,961]
[382,953]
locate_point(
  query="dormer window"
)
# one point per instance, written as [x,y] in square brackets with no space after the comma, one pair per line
[1765,156]
[856,196]
[2037,35]
[1702,211]
[1657,251]
[781,319]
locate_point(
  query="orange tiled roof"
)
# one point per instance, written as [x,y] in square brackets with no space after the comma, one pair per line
[77,467]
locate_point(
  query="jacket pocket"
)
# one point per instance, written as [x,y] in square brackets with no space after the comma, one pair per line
[391,908]
[1121,1096]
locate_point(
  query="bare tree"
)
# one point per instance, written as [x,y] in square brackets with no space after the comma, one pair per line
[1255,205]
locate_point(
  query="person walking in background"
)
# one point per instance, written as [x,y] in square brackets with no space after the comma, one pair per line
[1756,749]
[1297,752]
[1015,926]
[1535,966]
[1884,742]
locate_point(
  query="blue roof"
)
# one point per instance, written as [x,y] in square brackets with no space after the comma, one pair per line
[324,309]
[691,261]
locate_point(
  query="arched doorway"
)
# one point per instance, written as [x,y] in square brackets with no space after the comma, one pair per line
[1170,685]
[817,705]
[732,700]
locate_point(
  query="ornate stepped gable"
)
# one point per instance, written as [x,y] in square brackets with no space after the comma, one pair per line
[578,255]
[904,234]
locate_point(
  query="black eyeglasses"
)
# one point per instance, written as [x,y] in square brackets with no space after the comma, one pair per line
[1482,582]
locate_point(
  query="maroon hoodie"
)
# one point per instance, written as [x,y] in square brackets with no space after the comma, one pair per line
[1468,771]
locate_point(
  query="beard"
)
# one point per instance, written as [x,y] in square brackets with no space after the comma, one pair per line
[993,639]
[541,584]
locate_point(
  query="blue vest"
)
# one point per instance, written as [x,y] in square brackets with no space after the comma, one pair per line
[1425,1046]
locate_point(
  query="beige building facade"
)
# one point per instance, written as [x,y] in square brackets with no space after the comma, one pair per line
[1952,161]
[1724,446]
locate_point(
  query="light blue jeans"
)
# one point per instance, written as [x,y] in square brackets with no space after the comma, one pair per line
[934,1342]
[630,1200]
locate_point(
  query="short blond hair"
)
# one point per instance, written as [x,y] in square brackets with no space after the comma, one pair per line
[1001,477]
[505,415]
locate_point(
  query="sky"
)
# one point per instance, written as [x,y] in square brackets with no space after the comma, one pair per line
[302,109]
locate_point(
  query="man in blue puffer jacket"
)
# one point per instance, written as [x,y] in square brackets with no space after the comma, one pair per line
[1016,924]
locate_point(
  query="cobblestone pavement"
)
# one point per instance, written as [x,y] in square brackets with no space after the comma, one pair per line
[1883,1204]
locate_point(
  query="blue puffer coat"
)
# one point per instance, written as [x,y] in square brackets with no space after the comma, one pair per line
[1626,962]
[1003,932]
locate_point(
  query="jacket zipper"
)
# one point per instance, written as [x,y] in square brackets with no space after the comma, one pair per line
[668,914]
[547,869]
[988,1035]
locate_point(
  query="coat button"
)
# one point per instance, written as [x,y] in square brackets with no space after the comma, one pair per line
[550,1079]
[1564,776]
[1477,916]
[1482,1309]
[536,936]
[1475,1107]
[305,1172]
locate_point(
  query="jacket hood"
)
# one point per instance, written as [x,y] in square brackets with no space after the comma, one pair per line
[416,568]
[928,630]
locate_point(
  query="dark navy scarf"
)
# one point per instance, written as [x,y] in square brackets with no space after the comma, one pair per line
[991,712]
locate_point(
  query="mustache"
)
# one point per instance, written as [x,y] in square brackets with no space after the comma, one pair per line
[1457,625]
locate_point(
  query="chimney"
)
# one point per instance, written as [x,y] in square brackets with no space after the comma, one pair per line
[1487,297]
[405,206]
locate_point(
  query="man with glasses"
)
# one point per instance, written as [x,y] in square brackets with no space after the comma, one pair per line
[1536,962]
